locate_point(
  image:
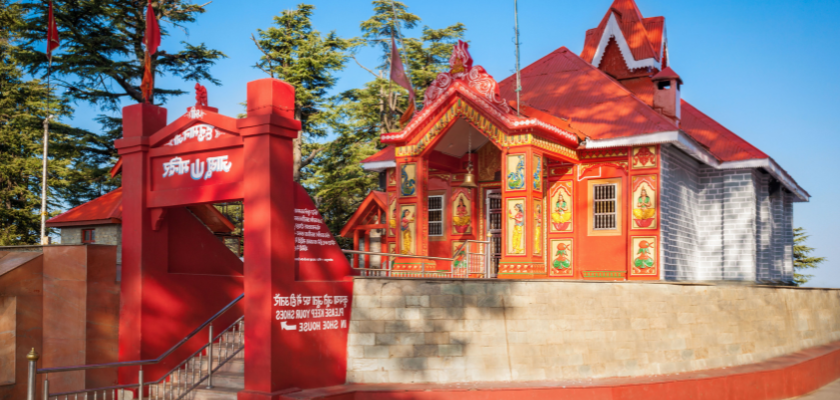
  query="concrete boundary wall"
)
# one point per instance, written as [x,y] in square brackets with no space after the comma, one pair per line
[449,330]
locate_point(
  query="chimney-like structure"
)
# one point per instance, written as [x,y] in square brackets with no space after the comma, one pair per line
[666,95]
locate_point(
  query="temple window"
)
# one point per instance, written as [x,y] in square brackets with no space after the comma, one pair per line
[88,235]
[605,205]
[435,215]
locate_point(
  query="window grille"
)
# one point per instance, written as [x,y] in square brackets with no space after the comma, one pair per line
[88,235]
[604,207]
[435,215]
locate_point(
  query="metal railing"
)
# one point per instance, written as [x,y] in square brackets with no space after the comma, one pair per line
[465,263]
[173,385]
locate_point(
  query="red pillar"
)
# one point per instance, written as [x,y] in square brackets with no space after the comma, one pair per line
[267,134]
[143,248]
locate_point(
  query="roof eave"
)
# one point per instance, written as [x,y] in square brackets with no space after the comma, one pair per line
[691,147]
[61,224]
[379,166]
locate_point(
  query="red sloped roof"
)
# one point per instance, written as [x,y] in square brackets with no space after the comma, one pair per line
[666,74]
[375,201]
[386,154]
[566,86]
[721,142]
[106,209]
[634,28]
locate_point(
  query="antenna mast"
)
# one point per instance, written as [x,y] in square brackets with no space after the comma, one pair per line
[516,33]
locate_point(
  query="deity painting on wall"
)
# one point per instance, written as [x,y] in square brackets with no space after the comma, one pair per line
[561,262]
[644,202]
[515,172]
[392,215]
[537,172]
[644,157]
[392,177]
[461,212]
[408,179]
[643,257]
[561,206]
[516,226]
[538,218]
[408,228]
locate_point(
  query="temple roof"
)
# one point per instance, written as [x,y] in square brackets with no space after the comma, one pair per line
[107,209]
[644,37]
[374,204]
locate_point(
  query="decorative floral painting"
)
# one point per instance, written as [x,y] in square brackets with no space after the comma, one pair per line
[408,228]
[560,261]
[561,206]
[538,226]
[515,226]
[408,179]
[537,172]
[392,215]
[644,157]
[461,212]
[643,259]
[644,202]
[459,254]
[515,172]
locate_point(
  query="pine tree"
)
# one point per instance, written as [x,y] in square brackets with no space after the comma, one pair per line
[358,116]
[100,62]
[23,109]
[301,56]
[801,257]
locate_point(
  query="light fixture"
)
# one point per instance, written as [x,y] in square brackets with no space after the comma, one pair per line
[469,179]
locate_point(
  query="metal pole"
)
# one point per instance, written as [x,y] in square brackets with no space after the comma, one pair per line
[140,379]
[46,387]
[469,267]
[516,32]
[210,360]
[30,387]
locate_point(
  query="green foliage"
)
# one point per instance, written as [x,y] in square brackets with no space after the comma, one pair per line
[359,116]
[100,62]
[23,109]
[802,257]
[301,56]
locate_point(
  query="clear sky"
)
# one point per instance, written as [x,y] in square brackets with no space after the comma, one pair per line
[766,70]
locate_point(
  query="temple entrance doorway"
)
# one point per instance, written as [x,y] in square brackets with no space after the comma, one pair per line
[494,228]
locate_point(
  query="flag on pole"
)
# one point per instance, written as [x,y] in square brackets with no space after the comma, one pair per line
[400,78]
[52,33]
[152,40]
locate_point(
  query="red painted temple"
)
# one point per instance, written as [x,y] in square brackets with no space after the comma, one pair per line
[604,172]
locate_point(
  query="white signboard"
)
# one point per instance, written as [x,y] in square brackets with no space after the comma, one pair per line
[321,313]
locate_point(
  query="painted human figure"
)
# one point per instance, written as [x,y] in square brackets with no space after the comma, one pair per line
[200,95]
[405,228]
[517,214]
[561,260]
[561,213]
[644,260]
[644,207]
[537,228]
[462,217]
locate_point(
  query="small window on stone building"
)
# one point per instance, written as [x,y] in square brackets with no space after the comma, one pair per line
[88,235]
[435,215]
[605,204]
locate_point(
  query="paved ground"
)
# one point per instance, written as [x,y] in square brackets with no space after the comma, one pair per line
[827,392]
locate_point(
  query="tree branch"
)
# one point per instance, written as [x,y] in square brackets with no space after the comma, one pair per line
[311,157]
[270,59]
[363,67]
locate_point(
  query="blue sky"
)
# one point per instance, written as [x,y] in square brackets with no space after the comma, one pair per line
[766,70]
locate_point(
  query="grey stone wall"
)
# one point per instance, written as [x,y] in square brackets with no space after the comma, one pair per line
[723,224]
[105,234]
[458,330]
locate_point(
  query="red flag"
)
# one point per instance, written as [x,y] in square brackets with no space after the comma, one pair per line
[398,75]
[52,33]
[152,40]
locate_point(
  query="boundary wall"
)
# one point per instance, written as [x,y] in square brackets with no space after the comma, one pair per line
[449,330]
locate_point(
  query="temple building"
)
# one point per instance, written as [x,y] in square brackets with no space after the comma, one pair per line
[603,172]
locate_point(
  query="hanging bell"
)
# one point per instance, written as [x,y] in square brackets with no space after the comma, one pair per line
[469,180]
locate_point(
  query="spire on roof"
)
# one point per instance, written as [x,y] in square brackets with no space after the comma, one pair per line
[641,40]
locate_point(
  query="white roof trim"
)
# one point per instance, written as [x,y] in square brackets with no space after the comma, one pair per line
[379,166]
[691,147]
[613,30]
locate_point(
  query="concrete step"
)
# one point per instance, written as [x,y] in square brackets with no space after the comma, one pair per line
[214,394]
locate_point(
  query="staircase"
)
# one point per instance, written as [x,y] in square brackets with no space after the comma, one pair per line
[228,379]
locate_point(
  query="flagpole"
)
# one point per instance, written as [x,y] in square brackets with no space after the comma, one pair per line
[44,238]
[516,32]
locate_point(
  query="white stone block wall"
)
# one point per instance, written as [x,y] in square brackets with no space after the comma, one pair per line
[105,234]
[458,330]
[723,224]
